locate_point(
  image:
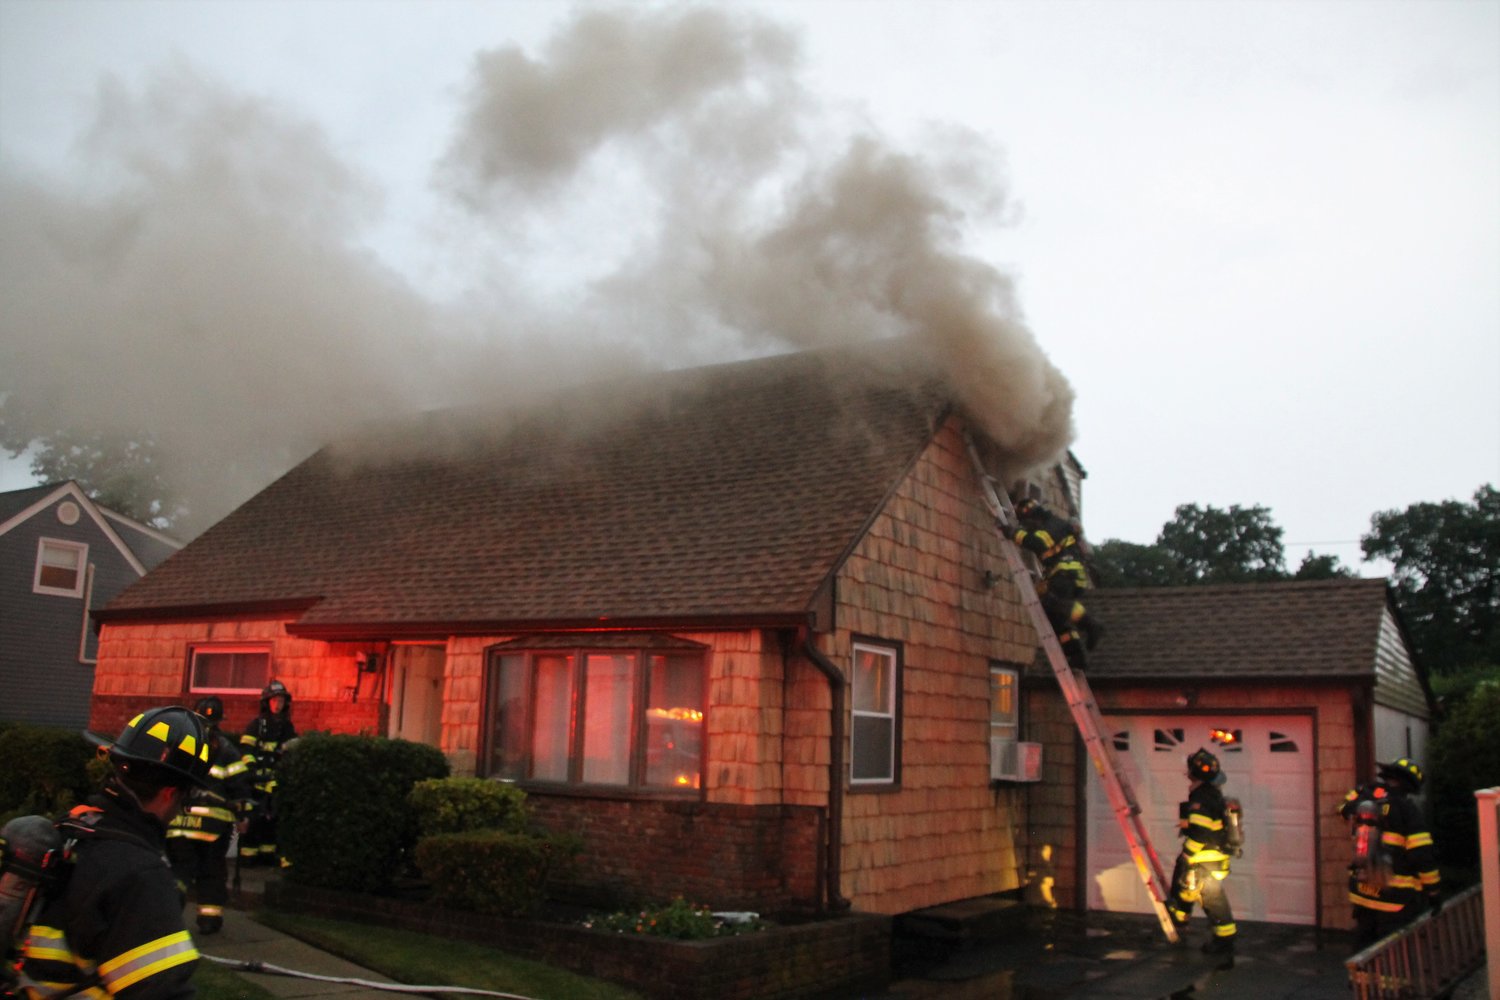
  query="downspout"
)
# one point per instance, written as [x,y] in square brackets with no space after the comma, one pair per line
[834,847]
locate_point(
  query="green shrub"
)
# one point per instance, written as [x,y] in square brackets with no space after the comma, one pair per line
[678,919]
[343,821]
[458,805]
[492,871]
[43,769]
[1464,756]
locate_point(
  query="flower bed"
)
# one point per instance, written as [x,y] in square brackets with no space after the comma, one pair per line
[844,954]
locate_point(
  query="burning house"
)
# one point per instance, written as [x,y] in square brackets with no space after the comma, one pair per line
[745,628]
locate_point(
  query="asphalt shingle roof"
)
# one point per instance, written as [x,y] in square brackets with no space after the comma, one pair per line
[693,496]
[1325,628]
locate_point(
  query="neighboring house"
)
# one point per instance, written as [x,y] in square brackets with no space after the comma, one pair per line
[61,556]
[746,629]
[1306,684]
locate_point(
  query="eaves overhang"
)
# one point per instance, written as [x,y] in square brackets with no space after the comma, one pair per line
[358,631]
[279,608]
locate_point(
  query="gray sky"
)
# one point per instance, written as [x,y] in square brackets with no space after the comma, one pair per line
[1260,241]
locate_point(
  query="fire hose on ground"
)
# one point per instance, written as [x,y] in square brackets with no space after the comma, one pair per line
[252,965]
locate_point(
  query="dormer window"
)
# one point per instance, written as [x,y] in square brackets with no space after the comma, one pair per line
[59,567]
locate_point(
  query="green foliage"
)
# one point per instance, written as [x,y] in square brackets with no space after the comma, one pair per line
[1128,564]
[1464,756]
[678,919]
[458,805]
[1240,545]
[1446,559]
[1204,545]
[343,821]
[120,471]
[492,871]
[1316,567]
[43,769]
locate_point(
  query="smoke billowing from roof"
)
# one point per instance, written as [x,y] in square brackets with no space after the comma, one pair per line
[655,187]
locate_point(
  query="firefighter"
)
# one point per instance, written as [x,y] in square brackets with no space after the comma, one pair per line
[197,840]
[265,740]
[115,928]
[1395,882]
[1064,578]
[1203,863]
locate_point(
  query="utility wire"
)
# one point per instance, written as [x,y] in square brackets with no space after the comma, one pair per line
[251,965]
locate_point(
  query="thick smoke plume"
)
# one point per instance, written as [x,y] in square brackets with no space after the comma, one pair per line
[762,233]
[655,187]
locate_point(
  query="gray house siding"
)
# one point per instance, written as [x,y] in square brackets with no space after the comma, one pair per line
[47,642]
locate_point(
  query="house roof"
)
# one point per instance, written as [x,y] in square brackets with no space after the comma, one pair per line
[1302,629]
[140,545]
[721,494]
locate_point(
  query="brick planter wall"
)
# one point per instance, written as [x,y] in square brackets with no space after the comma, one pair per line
[730,857]
[849,954]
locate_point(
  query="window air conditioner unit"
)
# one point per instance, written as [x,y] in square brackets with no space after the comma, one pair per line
[1011,760]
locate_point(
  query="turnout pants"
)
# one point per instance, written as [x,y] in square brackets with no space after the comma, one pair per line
[1201,883]
[201,867]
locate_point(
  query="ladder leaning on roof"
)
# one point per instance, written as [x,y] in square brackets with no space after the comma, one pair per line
[1085,710]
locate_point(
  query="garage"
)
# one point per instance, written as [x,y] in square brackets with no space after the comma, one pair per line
[1268,761]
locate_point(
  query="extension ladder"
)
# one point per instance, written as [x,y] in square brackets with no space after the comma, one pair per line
[1081,702]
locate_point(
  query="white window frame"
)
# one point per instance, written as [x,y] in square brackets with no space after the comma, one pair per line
[216,648]
[889,711]
[43,545]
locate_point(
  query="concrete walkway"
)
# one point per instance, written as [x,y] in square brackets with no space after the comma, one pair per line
[245,940]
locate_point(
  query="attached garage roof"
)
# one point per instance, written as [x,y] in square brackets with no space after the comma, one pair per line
[1324,628]
[727,493]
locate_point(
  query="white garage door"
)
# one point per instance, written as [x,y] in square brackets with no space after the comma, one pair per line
[1268,767]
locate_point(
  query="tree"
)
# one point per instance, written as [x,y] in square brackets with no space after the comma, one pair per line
[1127,564]
[1208,545]
[1464,755]
[1446,558]
[119,471]
[1316,567]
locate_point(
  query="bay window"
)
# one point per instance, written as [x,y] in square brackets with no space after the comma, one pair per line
[627,717]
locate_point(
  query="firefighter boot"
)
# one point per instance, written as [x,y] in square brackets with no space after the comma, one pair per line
[1072,648]
[1219,945]
[1092,631]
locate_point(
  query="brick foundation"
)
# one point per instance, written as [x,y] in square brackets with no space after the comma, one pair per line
[730,857]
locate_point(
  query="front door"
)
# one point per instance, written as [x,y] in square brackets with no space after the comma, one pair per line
[417,694]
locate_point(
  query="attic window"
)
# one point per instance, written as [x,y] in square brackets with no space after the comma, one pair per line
[59,567]
[599,716]
[229,669]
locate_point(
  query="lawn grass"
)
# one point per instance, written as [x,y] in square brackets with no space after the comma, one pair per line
[426,960]
[215,982]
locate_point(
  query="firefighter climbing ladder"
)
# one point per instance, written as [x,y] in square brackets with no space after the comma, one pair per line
[1085,710]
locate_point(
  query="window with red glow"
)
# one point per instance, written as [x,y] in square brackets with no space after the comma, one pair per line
[622,718]
[229,669]
[875,732]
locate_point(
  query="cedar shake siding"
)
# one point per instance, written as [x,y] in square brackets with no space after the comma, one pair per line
[768,515]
